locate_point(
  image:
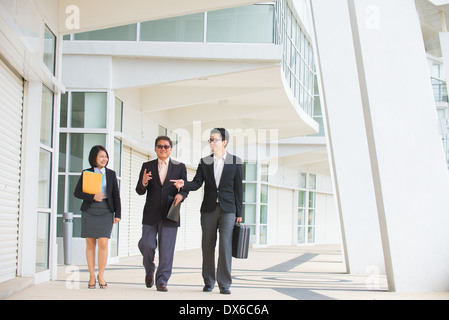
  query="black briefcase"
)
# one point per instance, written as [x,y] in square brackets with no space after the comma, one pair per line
[240,241]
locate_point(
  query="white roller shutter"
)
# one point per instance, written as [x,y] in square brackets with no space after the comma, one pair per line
[11,108]
[132,203]
[124,197]
[137,202]
[189,235]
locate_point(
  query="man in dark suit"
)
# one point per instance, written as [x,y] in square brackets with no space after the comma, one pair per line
[221,207]
[157,230]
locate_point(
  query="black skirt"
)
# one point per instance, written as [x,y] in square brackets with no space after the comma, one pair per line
[97,221]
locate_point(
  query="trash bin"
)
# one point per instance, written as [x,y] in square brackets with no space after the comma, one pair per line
[67,236]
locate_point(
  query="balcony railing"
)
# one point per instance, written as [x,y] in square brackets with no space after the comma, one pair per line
[297,58]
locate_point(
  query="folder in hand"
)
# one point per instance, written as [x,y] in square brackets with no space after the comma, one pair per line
[173,211]
[92,182]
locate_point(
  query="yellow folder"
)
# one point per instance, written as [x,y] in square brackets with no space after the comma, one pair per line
[92,182]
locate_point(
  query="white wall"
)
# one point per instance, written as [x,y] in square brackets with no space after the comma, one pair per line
[283,207]
[326,219]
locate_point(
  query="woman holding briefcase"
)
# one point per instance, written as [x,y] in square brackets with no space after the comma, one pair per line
[98,216]
[221,208]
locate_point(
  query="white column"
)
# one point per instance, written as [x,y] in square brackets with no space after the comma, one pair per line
[406,159]
[346,134]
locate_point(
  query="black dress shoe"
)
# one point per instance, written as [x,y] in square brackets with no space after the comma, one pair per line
[225,291]
[149,281]
[208,288]
[162,287]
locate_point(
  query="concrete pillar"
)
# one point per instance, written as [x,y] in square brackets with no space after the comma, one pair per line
[346,134]
[410,180]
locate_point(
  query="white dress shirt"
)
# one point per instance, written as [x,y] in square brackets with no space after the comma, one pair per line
[218,168]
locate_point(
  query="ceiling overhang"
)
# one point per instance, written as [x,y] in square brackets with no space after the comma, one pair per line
[244,102]
[434,18]
[87,15]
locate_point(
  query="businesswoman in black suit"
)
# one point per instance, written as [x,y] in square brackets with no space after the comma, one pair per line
[222,204]
[98,216]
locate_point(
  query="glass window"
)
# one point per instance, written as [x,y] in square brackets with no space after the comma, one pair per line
[49,50]
[118,115]
[264,193]
[174,138]
[73,203]
[42,241]
[312,197]
[302,198]
[312,181]
[306,208]
[250,171]
[263,214]
[63,110]
[263,234]
[44,186]
[249,192]
[117,156]
[248,24]
[302,180]
[47,117]
[162,131]
[264,173]
[61,194]
[62,152]
[249,213]
[89,109]
[301,217]
[311,235]
[80,145]
[76,227]
[311,217]
[297,57]
[188,28]
[121,33]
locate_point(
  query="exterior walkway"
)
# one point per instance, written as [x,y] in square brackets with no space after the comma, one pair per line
[274,273]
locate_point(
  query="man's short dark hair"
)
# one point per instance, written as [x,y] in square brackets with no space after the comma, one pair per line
[94,153]
[164,138]
[222,132]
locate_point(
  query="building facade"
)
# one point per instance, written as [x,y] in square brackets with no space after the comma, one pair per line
[315,149]
[174,101]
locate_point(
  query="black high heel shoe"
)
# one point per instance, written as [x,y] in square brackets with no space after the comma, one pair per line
[102,285]
[92,286]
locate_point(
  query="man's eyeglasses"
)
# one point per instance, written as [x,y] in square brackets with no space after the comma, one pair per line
[214,140]
[160,147]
